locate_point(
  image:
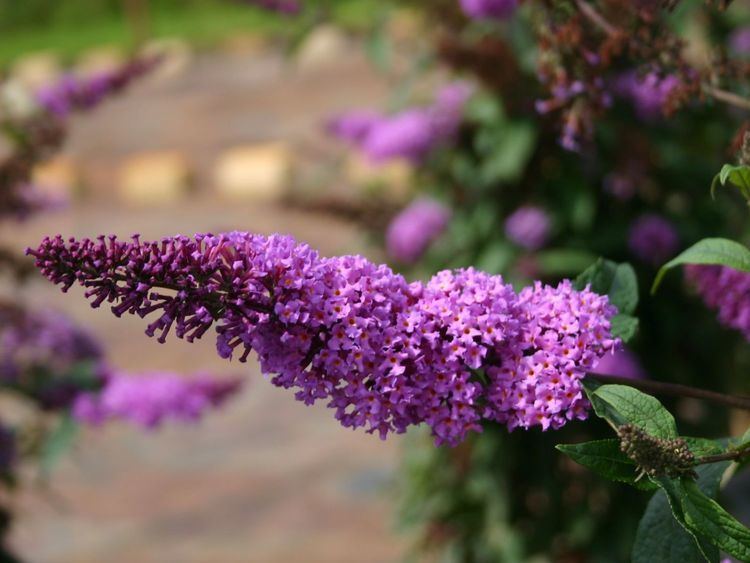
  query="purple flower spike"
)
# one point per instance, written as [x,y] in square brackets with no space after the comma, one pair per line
[411,134]
[81,94]
[489,9]
[151,399]
[653,239]
[649,94]
[727,291]
[529,227]
[413,230]
[383,353]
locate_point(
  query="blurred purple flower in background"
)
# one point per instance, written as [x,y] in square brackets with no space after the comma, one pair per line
[353,126]
[489,9]
[74,93]
[529,227]
[622,362]
[413,230]
[42,351]
[648,93]
[653,239]
[149,400]
[739,41]
[289,7]
[727,291]
[410,134]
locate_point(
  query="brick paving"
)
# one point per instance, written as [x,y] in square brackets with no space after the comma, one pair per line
[267,479]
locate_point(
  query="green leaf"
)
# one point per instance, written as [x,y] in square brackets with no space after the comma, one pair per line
[661,537]
[624,327]
[506,152]
[718,251]
[620,404]
[737,176]
[57,443]
[618,281]
[563,261]
[605,458]
[706,518]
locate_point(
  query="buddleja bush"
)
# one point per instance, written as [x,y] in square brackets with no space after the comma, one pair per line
[574,130]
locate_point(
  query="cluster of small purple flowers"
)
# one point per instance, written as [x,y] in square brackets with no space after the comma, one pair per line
[288,7]
[384,353]
[80,94]
[529,227]
[653,239]
[149,400]
[411,134]
[489,9]
[412,231]
[726,290]
[44,355]
[40,352]
[649,94]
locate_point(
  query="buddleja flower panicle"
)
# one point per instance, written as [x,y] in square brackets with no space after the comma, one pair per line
[385,354]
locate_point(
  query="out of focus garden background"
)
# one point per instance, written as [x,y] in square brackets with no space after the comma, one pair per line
[222,135]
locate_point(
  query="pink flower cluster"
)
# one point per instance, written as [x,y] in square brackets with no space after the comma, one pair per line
[411,134]
[726,290]
[385,354]
[489,9]
[149,400]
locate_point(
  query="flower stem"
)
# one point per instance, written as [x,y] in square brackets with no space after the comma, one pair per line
[735,455]
[677,390]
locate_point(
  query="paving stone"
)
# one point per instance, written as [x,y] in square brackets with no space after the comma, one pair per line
[323,47]
[393,179]
[254,172]
[176,56]
[59,178]
[99,60]
[154,178]
[36,70]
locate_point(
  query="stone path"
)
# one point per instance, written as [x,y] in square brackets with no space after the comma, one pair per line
[267,479]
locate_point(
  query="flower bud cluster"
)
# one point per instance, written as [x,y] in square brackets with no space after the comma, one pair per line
[656,457]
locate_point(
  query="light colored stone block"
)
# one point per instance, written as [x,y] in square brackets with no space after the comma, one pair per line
[58,178]
[324,46]
[99,60]
[246,44]
[176,56]
[254,172]
[37,70]
[393,179]
[154,178]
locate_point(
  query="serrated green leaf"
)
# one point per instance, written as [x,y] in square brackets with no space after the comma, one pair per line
[605,458]
[717,251]
[705,516]
[624,327]
[661,537]
[620,404]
